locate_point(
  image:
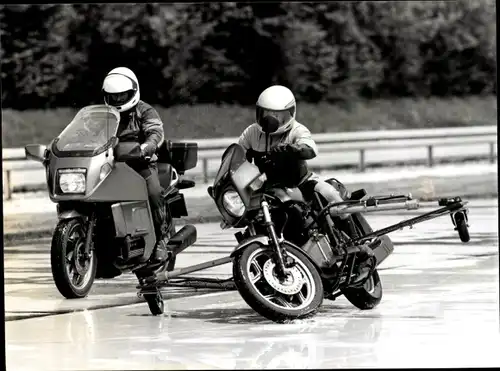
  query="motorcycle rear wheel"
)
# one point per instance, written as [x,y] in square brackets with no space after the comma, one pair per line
[65,253]
[254,277]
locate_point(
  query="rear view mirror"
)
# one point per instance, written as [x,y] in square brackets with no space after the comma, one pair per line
[35,152]
[114,142]
[127,151]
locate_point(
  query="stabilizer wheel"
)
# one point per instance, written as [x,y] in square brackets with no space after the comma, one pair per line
[461,227]
[155,303]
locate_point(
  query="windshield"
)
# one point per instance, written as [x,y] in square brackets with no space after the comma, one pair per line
[90,130]
[232,159]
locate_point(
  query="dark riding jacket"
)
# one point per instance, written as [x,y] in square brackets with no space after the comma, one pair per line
[142,124]
[289,167]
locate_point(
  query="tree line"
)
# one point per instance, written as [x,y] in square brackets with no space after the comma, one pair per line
[215,53]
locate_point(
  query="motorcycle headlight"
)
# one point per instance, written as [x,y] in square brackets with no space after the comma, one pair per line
[72,180]
[233,203]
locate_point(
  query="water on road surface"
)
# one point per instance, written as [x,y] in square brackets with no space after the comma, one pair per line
[440,309]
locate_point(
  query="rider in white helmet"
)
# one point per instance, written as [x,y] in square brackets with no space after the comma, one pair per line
[280,146]
[277,131]
[140,122]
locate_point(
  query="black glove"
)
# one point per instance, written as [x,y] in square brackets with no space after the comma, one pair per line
[299,151]
[148,150]
[267,160]
[281,148]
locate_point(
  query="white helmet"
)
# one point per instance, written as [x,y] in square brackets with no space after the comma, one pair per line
[277,105]
[121,89]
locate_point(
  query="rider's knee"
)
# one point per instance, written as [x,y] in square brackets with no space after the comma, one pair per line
[330,193]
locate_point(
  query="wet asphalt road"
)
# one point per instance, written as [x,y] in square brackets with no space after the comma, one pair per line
[440,309]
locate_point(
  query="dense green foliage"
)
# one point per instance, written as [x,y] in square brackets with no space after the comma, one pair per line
[204,53]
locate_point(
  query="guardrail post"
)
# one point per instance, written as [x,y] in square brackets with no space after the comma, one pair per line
[205,170]
[7,185]
[430,161]
[492,152]
[362,160]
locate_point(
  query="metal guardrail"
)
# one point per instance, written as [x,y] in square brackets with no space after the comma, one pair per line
[360,142]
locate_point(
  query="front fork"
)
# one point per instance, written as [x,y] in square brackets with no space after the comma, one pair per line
[90,234]
[280,264]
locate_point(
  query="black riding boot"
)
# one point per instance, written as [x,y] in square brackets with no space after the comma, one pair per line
[350,227]
[161,252]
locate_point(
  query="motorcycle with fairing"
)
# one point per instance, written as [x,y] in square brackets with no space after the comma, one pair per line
[292,252]
[105,225]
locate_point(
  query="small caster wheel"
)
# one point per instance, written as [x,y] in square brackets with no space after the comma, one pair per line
[155,303]
[461,223]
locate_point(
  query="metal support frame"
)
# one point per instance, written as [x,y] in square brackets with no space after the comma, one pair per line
[381,203]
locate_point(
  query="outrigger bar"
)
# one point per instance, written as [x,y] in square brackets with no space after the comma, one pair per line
[400,202]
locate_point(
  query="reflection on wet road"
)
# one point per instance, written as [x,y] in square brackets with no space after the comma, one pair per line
[440,309]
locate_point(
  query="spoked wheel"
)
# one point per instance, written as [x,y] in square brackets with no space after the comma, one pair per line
[72,270]
[298,296]
[367,296]
[155,303]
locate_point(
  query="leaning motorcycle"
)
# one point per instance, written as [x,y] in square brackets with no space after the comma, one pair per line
[105,225]
[293,253]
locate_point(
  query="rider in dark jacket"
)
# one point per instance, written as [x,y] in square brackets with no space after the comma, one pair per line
[280,146]
[139,122]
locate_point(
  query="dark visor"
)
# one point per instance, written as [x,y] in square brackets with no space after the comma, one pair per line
[118,99]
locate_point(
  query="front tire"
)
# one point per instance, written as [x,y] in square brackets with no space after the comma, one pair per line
[367,296]
[253,272]
[67,245]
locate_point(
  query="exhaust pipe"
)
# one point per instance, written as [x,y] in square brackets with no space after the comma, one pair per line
[184,238]
[382,248]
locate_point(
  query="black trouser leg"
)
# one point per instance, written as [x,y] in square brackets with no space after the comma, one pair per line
[350,227]
[156,201]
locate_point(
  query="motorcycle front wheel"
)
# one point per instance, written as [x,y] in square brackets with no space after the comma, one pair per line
[73,272]
[298,296]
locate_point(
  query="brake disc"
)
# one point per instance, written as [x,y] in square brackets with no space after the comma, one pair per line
[292,284]
[80,268]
